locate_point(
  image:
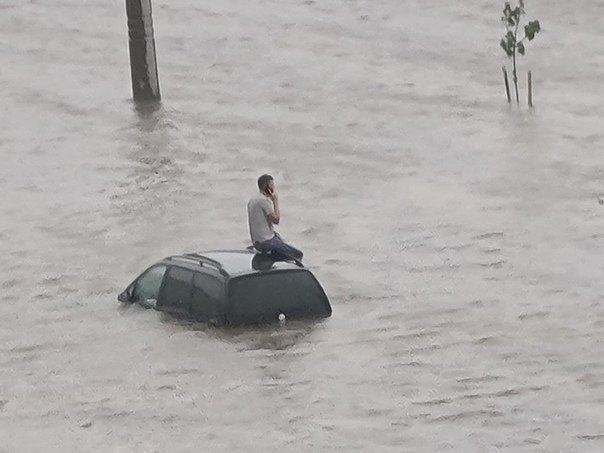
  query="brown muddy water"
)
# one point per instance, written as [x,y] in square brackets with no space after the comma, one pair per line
[460,241]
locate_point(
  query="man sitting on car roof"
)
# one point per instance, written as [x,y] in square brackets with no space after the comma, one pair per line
[263,212]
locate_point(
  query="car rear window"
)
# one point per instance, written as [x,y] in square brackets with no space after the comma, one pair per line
[261,298]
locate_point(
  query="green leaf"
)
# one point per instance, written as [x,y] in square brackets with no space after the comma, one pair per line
[521,48]
[507,15]
[504,46]
[507,47]
[511,38]
[532,29]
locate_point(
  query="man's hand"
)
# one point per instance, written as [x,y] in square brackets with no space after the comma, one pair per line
[275,217]
[273,195]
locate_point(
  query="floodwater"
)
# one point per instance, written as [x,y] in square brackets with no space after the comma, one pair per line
[460,240]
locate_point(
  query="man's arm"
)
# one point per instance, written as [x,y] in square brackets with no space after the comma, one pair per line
[275,216]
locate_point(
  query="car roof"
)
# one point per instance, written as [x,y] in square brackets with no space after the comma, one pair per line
[232,263]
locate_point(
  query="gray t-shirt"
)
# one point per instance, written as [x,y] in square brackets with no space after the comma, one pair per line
[258,208]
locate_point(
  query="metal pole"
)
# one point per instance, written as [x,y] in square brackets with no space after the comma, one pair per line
[143,63]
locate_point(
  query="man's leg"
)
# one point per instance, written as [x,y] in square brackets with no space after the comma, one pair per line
[281,248]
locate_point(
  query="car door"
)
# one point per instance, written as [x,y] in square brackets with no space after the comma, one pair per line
[145,290]
[208,296]
[176,291]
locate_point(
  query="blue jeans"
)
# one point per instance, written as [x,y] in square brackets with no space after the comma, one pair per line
[278,249]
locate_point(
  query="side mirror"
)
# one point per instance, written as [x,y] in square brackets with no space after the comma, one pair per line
[124,296]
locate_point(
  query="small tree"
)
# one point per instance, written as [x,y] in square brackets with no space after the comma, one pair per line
[510,43]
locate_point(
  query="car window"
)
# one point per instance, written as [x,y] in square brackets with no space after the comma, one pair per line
[262,297]
[176,292]
[147,285]
[208,292]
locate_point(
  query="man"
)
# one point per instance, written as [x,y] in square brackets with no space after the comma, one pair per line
[262,213]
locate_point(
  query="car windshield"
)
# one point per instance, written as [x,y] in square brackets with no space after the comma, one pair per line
[263,297]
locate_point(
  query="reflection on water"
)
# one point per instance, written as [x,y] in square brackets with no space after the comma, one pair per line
[269,338]
[459,240]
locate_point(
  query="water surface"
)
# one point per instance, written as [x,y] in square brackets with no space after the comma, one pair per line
[460,240]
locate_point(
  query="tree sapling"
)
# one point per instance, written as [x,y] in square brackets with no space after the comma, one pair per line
[510,42]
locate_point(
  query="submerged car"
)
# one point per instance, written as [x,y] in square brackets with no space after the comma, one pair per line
[229,287]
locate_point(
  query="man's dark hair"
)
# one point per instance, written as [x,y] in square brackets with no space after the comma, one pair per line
[263,182]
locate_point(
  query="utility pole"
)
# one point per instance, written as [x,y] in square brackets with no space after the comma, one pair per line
[143,63]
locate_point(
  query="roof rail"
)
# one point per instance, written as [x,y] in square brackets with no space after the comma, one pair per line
[204,260]
[182,258]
